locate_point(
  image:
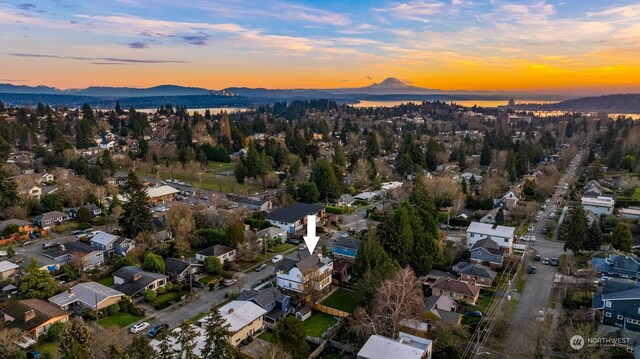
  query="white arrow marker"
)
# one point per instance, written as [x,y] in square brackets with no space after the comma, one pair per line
[311,239]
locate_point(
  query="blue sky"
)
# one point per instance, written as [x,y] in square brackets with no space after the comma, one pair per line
[588,46]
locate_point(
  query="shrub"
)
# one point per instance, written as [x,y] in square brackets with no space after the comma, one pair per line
[113,309]
[161,290]
[134,310]
[149,294]
[336,210]
[19,355]
[55,331]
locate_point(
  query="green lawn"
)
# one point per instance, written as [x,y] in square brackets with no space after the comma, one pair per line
[520,285]
[164,300]
[484,302]
[47,347]
[637,193]
[266,335]
[221,166]
[208,278]
[108,281]
[121,320]
[342,299]
[209,177]
[318,323]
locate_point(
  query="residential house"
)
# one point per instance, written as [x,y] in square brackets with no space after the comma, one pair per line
[45,178]
[434,275]
[630,213]
[104,241]
[367,196]
[245,318]
[270,299]
[29,191]
[617,265]
[160,230]
[122,246]
[90,295]
[406,347]
[107,145]
[477,274]
[311,273]
[346,200]
[342,270]
[619,303]
[254,204]
[132,280]
[180,270]
[600,205]
[49,219]
[502,235]
[275,233]
[456,289]
[223,253]
[93,210]
[78,254]
[7,269]
[511,198]
[593,189]
[443,308]
[346,248]
[490,216]
[486,251]
[294,217]
[33,317]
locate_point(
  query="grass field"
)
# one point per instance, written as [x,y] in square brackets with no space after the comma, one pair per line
[342,299]
[108,281]
[210,178]
[266,335]
[120,320]
[318,323]
[164,300]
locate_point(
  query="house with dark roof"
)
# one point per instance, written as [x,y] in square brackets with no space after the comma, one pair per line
[160,230]
[346,248]
[617,265]
[342,270]
[79,254]
[477,274]
[294,217]
[486,251]
[254,204]
[619,304]
[34,317]
[223,253]
[93,210]
[311,273]
[181,270]
[456,289]
[49,219]
[122,246]
[132,280]
[443,308]
[270,299]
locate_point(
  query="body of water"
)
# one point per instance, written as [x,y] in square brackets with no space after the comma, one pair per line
[213,110]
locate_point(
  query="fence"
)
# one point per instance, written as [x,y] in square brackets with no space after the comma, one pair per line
[331,311]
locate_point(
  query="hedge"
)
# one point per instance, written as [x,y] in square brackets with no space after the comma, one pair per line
[336,210]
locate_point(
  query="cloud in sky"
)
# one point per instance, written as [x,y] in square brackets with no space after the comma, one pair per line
[433,43]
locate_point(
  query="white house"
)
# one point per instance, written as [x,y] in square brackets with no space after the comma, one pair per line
[107,145]
[406,347]
[223,253]
[599,205]
[310,273]
[245,319]
[276,233]
[501,235]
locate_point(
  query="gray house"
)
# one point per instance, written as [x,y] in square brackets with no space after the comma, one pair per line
[619,303]
[93,210]
[77,254]
[181,270]
[49,219]
[486,251]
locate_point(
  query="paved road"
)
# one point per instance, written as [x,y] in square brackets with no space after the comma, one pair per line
[536,293]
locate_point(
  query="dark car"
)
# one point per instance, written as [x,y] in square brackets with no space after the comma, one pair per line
[554,262]
[260,267]
[157,330]
[537,258]
[197,284]
[533,270]
[475,313]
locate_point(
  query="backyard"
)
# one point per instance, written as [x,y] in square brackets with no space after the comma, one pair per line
[108,281]
[318,323]
[164,300]
[120,320]
[342,299]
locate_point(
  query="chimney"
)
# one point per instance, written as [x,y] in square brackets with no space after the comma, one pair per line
[230,310]
[29,314]
[137,276]
[70,291]
[62,247]
[182,258]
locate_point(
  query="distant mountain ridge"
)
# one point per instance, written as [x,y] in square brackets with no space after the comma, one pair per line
[622,103]
[106,91]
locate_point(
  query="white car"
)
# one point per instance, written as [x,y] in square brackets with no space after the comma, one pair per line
[3,253]
[277,258]
[139,327]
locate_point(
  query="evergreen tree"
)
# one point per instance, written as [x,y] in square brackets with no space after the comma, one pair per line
[165,351]
[324,176]
[135,211]
[140,348]
[339,159]
[119,109]
[37,283]
[76,341]
[186,340]
[595,237]
[622,237]
[153,262]
[234,234]
[290,335]
[578,235]
[217,344]
[308,192]
[485,154]
[8,191]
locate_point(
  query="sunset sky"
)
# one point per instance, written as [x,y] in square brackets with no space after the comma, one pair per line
[573,46]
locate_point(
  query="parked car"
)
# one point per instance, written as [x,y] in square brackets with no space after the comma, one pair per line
[26,244]
[3,253]
[554,262]
[75,232]
[260,267]
[139,327]
[533,270]
[545,261]
[475,313]
[277,258]
[50,245]
[157,329]
[302,247]
[537,258]
[544,230]
[229,282]
[551,215]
